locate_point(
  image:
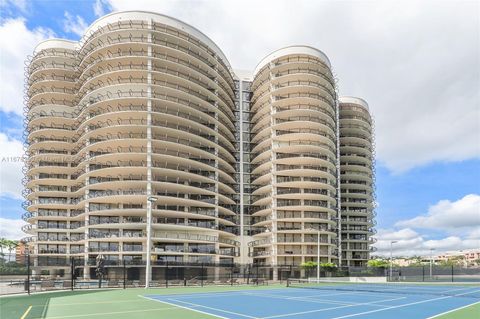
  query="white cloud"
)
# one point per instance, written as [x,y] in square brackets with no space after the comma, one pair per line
[74,24]
[17,43]
[19,4]
[11,228]
[415,62]
[448,215]
[11,167]
[99,7]
[411,243]
[460,219]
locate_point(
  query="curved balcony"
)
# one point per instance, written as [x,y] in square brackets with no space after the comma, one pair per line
[357,175]
[174,39]
[193,238]
[298,87]
[88,121]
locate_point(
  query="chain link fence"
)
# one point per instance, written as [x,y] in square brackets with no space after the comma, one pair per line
[436,273]
[36,274]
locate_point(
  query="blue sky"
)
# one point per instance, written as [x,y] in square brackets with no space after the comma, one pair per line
[428,135]
[50,14]
[404,196]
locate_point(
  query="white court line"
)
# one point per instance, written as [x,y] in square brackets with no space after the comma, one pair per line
[431,288]
[326,301]
[223,292]
[326,309]
[276,316]
[187,308]
[453,310]
[450,290]
[211,308]
[330,294]
[87,303]
[404,305]
[389,292]
[107,313]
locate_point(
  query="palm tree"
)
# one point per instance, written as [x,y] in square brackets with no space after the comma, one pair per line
[11,245]
[3,244]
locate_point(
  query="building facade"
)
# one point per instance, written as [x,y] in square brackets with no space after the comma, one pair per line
[143,128]
[294,157]
[357,181]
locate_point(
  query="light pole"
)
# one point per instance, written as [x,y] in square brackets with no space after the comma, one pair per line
[148,268]
[318,254]
[391,258]
[431,262]
[318,251]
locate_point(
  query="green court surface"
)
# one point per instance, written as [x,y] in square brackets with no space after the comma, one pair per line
[105,304]
[470,312]
[136,303]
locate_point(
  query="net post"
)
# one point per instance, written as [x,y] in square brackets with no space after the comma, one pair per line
[72,270]
[124,273]
[28,273]
[288,282]
[231,274]
[166,274]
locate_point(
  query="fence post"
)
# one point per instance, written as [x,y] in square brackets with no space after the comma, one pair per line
[166,274]
[257,274]
[423,273]
[452,273]
[72,270]
[28,273]
[124,273]
[231,274]
[201,276]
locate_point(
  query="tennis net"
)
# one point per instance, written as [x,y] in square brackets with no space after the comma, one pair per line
[467,290]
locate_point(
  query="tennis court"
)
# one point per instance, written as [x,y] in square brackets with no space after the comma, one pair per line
[331,300]
[300,300]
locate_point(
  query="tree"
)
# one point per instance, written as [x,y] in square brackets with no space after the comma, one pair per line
[3,244]
[328,266]
[378,263]
[416,261]
[453,261]
[308,266]
[476,262]
[11,246]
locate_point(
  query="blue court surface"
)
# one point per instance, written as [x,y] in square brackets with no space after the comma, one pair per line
[409,302]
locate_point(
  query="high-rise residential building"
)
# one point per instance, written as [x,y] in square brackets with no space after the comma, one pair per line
[143,130]
[357,181]
[294,157]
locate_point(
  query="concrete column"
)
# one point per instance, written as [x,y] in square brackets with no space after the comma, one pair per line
[273,181]
[148,247]
[338,197]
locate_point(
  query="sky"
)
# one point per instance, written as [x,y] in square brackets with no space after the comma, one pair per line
[417,63]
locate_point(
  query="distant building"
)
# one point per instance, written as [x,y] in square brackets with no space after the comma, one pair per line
[20,253]
[465,258]
[405,262]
